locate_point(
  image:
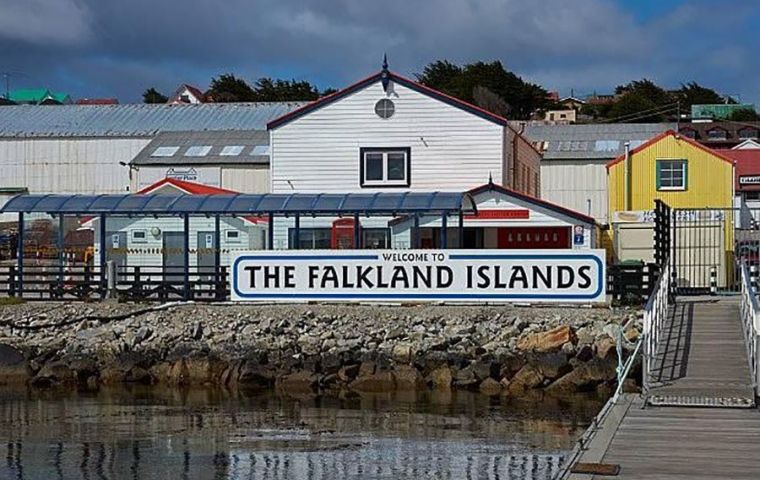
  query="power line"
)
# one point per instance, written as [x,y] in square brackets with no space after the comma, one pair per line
[643,113]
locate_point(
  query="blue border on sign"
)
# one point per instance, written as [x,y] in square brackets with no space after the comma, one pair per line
[424,296]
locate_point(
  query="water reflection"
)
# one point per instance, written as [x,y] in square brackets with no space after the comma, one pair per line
[210,434]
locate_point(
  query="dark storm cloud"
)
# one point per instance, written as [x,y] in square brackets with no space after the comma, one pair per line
[107,47]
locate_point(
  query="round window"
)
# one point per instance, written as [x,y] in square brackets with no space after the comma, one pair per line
[384,108]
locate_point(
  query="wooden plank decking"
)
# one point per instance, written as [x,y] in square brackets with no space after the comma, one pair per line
[703,361]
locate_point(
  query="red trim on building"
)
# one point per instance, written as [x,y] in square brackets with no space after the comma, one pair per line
[411,84]
[669,133]
[511,214]
[533,200]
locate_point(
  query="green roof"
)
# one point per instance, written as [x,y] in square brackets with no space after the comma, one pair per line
[37,95]
[720,111]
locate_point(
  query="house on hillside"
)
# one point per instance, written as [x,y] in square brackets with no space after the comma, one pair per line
[719,134]
[573,170]
[38,96]
[187,94]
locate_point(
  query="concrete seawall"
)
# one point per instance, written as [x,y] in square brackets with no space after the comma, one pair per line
[310,348]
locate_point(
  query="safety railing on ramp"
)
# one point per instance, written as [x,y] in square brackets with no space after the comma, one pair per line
[750,313]
[655,313]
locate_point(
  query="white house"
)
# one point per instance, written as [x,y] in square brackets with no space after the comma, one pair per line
[154,242]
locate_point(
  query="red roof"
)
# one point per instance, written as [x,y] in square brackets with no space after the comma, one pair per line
[98,101]
[671,133]
[411,84]
[191,188]
[747,165]
[539,202]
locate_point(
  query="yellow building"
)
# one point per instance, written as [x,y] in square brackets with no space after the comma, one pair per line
[689,177]
[672,168]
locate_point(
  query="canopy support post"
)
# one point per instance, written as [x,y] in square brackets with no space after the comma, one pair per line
[186,256]
[444,227]
[416,231]
[270,232]
[460,229]
[20,255]
[357,232]
[297,233]
[61,254]
[218,279]
[103,243]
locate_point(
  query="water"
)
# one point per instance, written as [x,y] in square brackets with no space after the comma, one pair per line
[154,434]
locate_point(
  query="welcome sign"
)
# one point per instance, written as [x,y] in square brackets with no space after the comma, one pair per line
[420,275]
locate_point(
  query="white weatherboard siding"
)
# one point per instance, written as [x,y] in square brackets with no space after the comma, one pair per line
[246,179]
[571,183]
[451,149]
[83,166]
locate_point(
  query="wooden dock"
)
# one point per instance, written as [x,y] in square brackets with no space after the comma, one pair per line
[699,420]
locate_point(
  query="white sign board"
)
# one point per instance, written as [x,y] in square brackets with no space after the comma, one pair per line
[420,275]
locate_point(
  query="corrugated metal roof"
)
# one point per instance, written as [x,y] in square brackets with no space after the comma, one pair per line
[135,120]
[226,147]
[365,203]
[591,141]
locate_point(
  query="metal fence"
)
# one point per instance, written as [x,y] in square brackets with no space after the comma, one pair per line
[708,245]
[750,313]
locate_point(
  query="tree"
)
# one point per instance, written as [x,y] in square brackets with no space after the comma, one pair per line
[744,115]
[228,88]
[694,94]
[269,90]
[635,108]
[483,84]
[152,95]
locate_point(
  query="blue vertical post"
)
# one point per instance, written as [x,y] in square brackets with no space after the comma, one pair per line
[270,232]
[103,285]
[297,233]
[217,242]
[61,254]
[217,252]
[444,227]
[186,256]
[20,255]
[357,232]
[416,231]
[460,229]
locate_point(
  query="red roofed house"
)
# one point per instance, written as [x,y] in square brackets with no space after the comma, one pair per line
[746,180]
[149,241]
[187,94]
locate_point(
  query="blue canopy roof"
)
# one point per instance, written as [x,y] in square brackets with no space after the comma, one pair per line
[312,204]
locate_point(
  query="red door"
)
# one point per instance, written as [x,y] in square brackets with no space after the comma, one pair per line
[533,237]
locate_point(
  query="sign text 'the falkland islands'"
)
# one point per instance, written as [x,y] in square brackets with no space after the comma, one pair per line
[414,275]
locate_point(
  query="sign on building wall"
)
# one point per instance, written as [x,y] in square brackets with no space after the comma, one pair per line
[419,275]
[749,180]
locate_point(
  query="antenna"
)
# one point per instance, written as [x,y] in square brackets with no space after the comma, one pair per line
[7,77]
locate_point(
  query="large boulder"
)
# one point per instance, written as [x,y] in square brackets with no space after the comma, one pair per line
[441,378]
[584,377]
[14,368]
[378,382]
[54,374]
[408,378]
[490,387]
[298,382]
[527,378]
[550,341]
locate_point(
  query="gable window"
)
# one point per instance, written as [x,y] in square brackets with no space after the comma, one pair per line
[671,174]
[716,134]
[384,167]
[748,133]
[688,133]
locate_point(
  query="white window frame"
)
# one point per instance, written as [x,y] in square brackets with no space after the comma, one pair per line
[229,239]
[385,152]
[134,239]
[684,173]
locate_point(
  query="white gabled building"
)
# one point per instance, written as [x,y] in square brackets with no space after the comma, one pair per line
[388,133]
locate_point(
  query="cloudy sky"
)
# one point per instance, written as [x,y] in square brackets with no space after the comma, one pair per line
[98,48]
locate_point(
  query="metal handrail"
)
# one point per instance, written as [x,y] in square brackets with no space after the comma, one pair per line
[750,315]
[655,312]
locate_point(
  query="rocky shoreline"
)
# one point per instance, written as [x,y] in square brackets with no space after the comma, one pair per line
[303,349]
